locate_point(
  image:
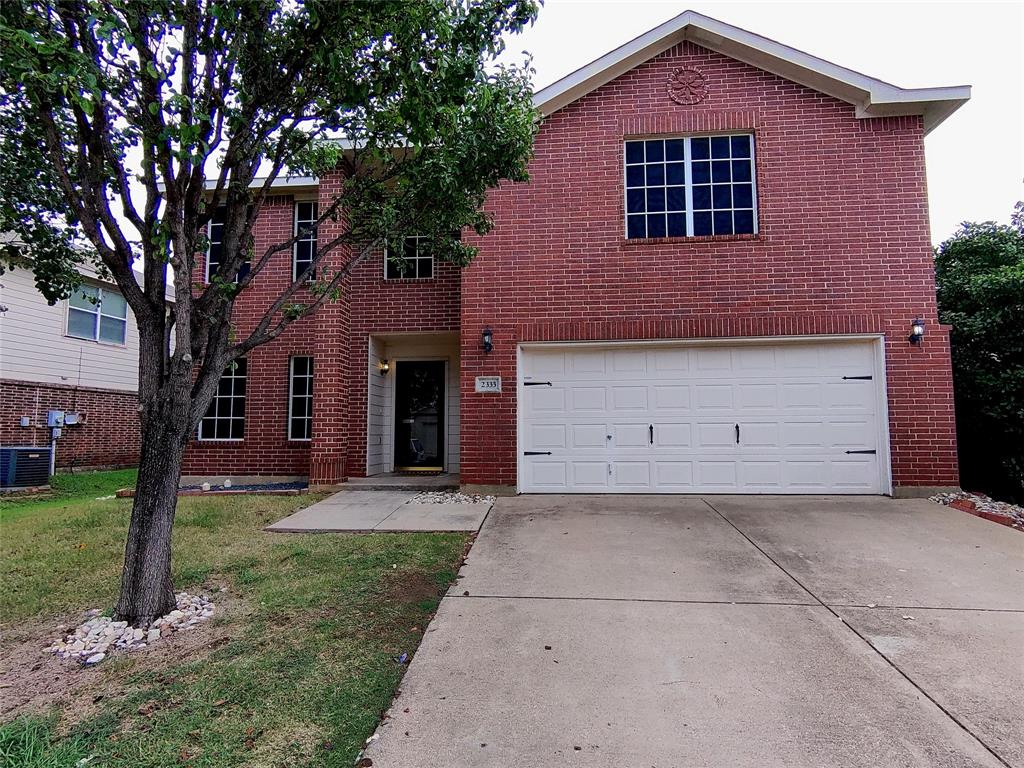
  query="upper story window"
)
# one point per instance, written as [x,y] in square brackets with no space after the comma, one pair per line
[685,187]
[97,314]
[415,261]
[304,251]
[215,252]
[225,418]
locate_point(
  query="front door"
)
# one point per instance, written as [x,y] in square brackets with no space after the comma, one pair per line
[419,415]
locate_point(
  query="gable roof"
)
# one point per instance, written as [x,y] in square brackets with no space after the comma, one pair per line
[871,97]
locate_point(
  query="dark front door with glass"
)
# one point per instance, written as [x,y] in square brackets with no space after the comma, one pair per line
[419,415]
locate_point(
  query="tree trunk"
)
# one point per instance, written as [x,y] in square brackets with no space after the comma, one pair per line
[146,589]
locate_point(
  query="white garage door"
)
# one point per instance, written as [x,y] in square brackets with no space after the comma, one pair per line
[793,417]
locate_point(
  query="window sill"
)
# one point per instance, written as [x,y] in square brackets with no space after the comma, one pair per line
[696,239]
[403,280]
[114,344]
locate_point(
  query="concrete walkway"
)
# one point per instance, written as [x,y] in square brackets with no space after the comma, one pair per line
[366,511]
[727,631]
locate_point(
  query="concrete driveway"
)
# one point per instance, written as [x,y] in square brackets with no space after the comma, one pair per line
[725,631]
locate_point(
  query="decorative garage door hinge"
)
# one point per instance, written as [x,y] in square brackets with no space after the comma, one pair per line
[536,383]
[871,451]
[858,378]
[536,453]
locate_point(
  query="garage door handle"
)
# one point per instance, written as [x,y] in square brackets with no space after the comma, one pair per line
[858,378]
[871,451]
[536,383]
[536,453]
[737,434]
[651,427]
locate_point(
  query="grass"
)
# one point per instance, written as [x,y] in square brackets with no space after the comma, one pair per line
[298,669]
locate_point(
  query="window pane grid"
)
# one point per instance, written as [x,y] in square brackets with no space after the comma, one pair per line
[416,263]
[95,314]
[304,251]
[690,186]
[225,418]
[300,399]
[215,249]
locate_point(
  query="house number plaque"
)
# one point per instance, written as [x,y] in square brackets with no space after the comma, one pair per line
[488,383]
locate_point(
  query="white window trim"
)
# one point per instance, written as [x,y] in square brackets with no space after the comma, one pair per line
[688,182]
[291,396]
[209,247]
[199,429]
[99,314]
[295,231]
[433,263]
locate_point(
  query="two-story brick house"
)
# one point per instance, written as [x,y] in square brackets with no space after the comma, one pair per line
[709,284]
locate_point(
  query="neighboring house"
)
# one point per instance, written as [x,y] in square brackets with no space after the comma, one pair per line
[707,285]
[80,356]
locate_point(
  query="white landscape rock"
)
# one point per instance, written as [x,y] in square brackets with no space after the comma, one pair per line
[984,503]
[92,641]
[450,497]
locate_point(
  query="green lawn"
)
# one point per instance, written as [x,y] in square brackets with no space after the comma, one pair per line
[295,672]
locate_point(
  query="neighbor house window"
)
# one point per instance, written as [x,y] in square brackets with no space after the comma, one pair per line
[97,314]
[304,251]
[215,251]
[300,399]
[415,260]
[225,418]
[684,187]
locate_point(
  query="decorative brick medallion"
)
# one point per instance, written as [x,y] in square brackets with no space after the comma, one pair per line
[687,86]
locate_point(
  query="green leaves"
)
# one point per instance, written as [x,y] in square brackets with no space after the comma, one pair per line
[980,278]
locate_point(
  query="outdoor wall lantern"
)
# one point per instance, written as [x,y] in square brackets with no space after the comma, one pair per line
[488,338]
[385,366]
[916,331]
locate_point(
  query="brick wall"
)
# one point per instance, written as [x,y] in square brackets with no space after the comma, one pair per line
[337,337]
[266,449]
[107,437]
[843,246]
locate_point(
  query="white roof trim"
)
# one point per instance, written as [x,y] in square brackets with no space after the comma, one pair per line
[871,97]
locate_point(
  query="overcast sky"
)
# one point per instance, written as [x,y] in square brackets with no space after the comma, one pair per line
[975,158]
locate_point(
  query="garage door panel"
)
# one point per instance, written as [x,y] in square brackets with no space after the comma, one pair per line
[630,435]
[711,435]
[676,475]
[546,437]
[757,396]
[670,360]
[589,474]
[763,476]
[710,397]
[544,400]
[671,397]
[717,474]
[588,436]
[801,396]
[588,399]
[635,474]
[672,435]
[850,395]
[764,434]
[549,475]
[798,419]
[629,398]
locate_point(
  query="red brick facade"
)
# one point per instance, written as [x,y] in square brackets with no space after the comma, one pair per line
[843,247]
[108,435]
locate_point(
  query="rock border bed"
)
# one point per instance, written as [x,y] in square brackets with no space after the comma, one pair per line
[450,497]
[980,505]
[263,489]
[91,641]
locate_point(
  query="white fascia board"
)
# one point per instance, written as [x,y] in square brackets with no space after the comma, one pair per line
[871,97]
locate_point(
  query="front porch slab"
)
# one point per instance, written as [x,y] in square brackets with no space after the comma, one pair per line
[392,511]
